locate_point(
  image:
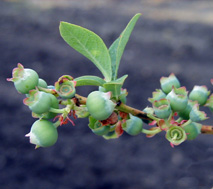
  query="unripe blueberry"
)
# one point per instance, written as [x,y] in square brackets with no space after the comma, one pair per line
[199,94]
[178,99]
[176,135]
[133,126]
[54,104]
[42,83]
[39,102]
[43,133]
[162,108]
[209,103]
[168,82]
[24,79]
[99,105]
[157,95]
[184,114]
[196,115]
[192,130]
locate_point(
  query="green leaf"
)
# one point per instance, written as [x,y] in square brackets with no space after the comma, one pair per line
[89,80]
[117,48]
[88,44]
[115,86]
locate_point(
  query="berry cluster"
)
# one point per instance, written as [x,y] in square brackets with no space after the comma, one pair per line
[176,112]
[172,111]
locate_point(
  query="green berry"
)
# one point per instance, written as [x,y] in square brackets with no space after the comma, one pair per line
[54,104]
[43,133]
[42,83]
[99,105]
[157,95]
[133,126]
[24,79]
[199,94]
[168,82]
[196,115]
[162,108]
[39,102]
[192,130]
[178,99]
[184,114]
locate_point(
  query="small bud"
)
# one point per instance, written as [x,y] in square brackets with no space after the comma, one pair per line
[162,108]
[24,79]
[99,105]
[178,99]
[168,82]
[43,133]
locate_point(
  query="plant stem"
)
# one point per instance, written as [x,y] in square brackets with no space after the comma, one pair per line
[206,129]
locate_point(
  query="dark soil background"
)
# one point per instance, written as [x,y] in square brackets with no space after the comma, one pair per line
[171,36]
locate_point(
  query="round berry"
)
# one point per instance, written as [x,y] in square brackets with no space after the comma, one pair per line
[43,133]
[99,105]
[133,126]
[24,79]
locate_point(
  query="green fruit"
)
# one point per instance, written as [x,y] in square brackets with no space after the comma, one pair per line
[184,114]
[43,133]
[196,115]
[199,94]
[133,126]
[24,79]
[157,95]
[42,83]
[192,130]
[162,108]
[54,104]
[39,102]
[178,99]
[168,82]
[99,105]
